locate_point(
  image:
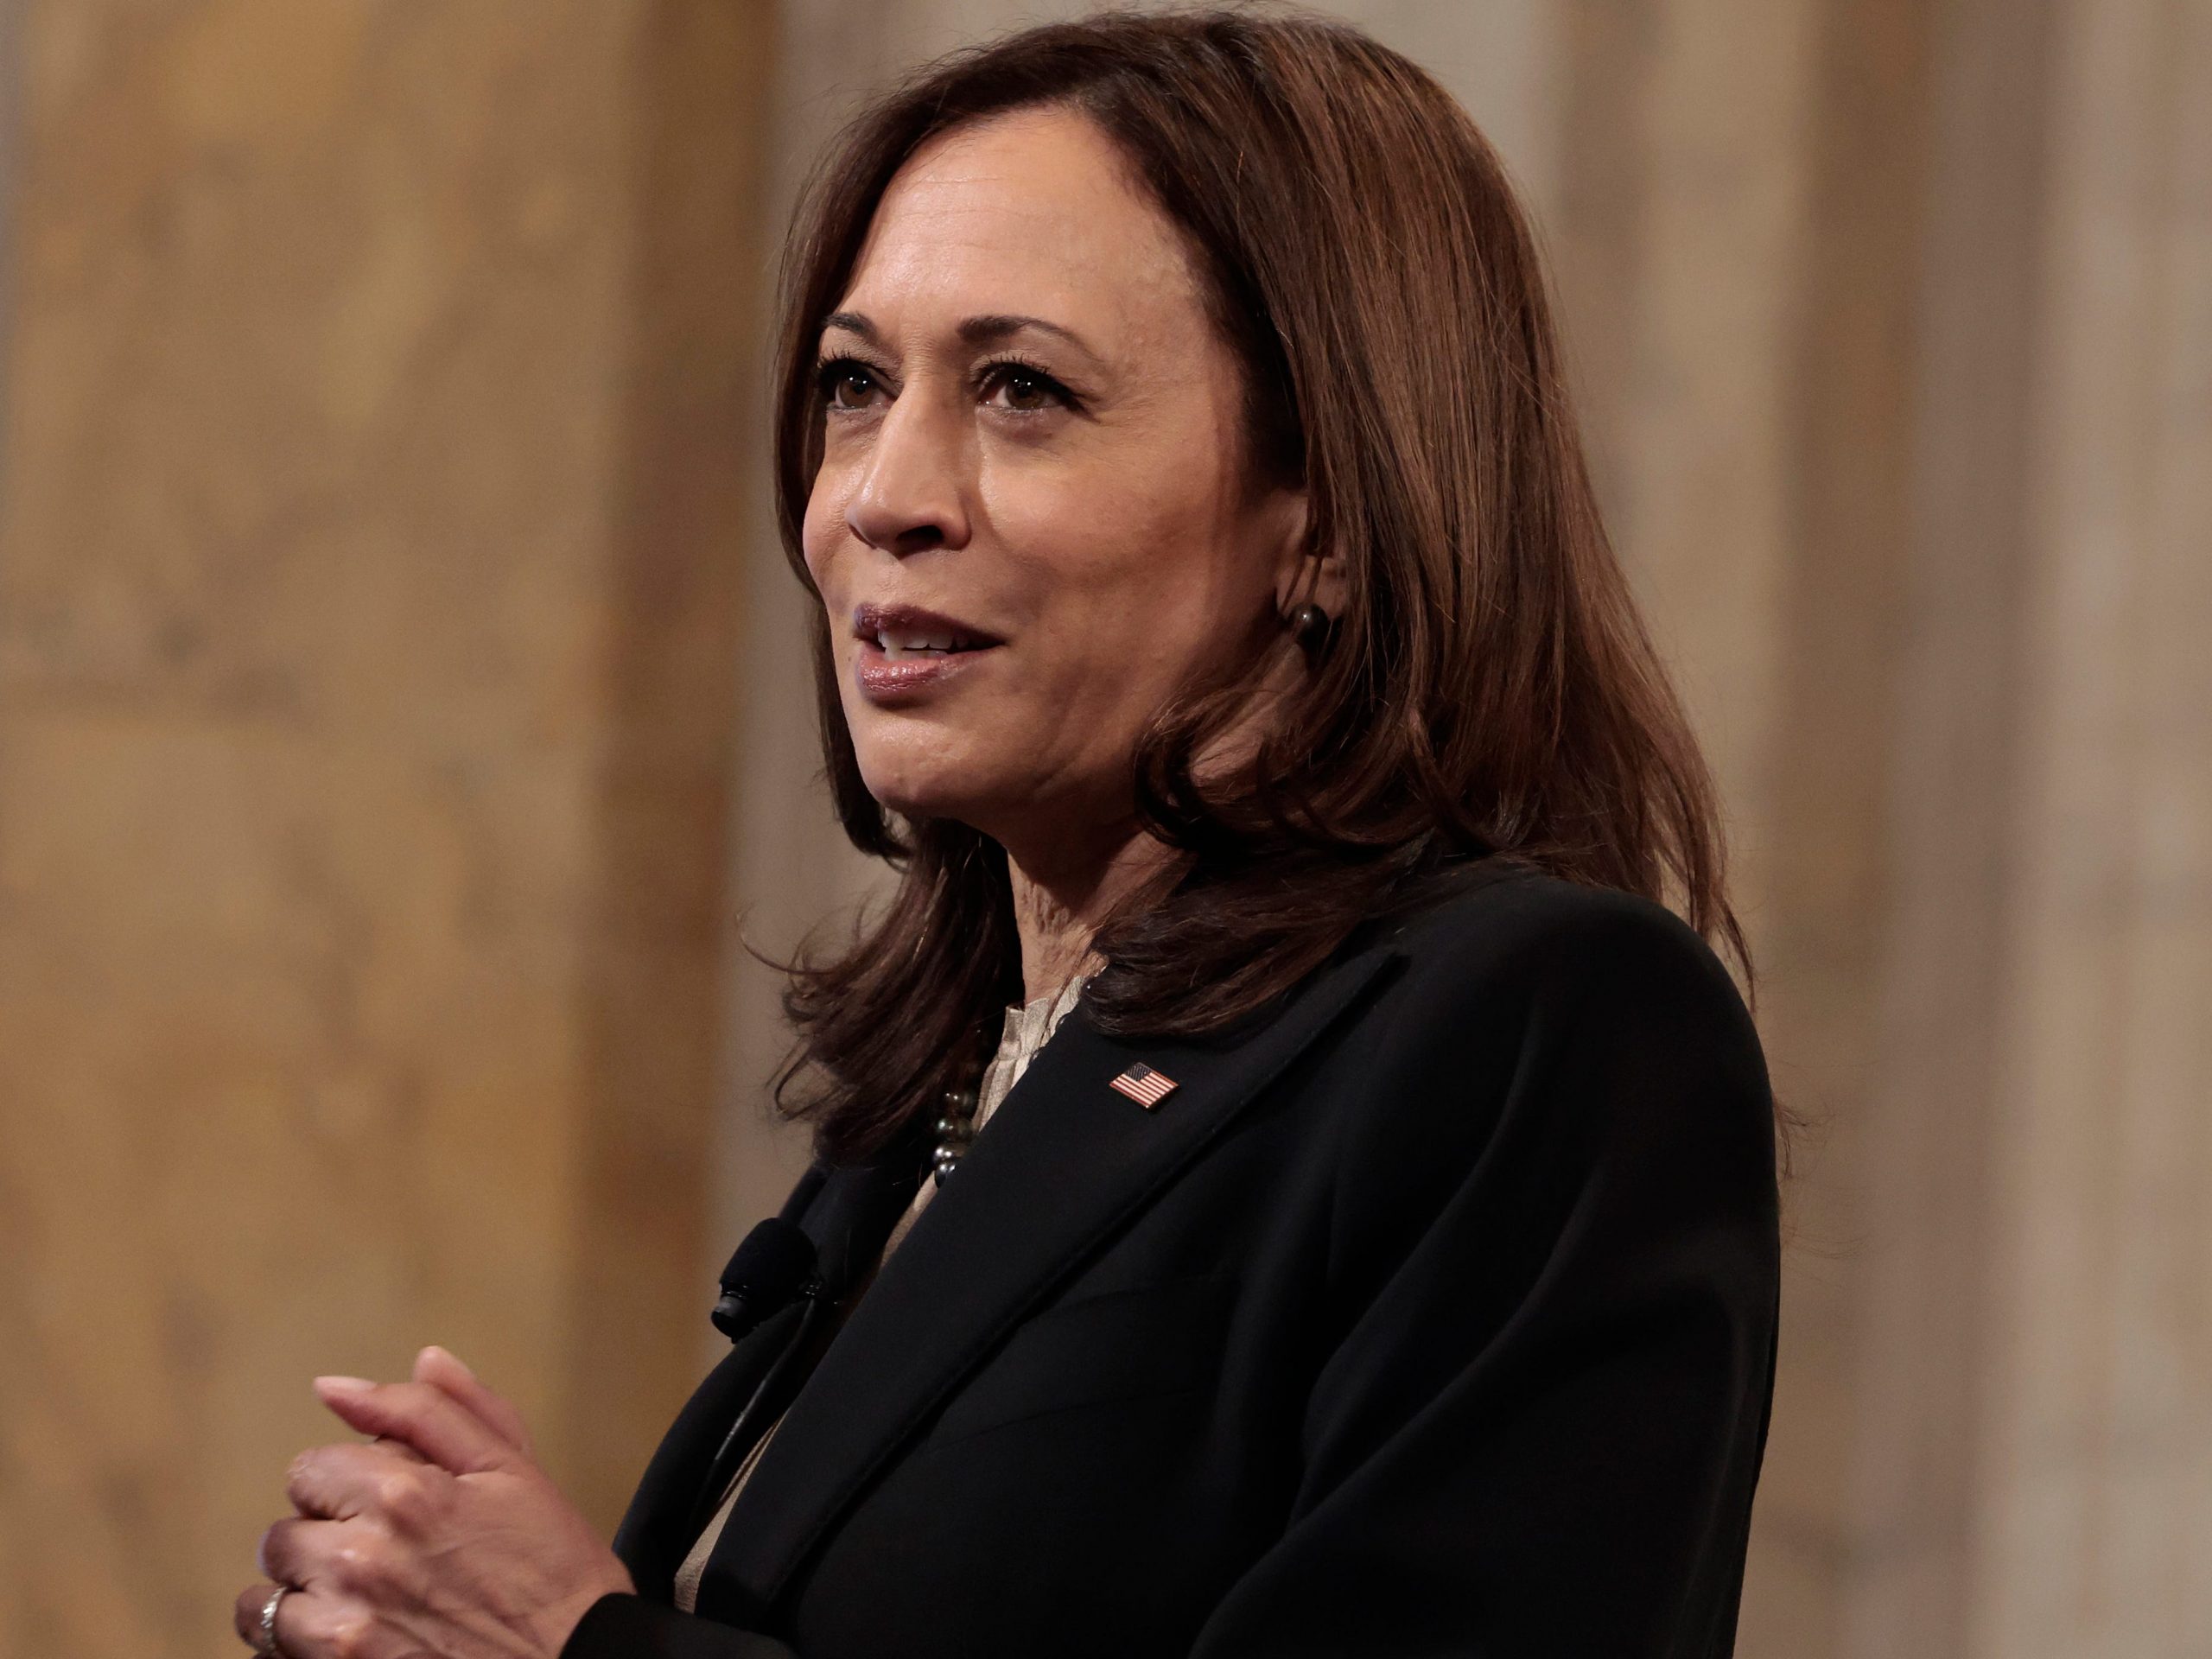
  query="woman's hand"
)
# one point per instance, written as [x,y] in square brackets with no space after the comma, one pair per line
[442,1536]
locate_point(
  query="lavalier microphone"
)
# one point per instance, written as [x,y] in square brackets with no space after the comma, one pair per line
[775,1264]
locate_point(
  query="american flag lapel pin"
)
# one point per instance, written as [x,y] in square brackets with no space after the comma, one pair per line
[1144,1085]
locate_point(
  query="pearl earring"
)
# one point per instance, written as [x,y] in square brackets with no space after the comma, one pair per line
[1312,627]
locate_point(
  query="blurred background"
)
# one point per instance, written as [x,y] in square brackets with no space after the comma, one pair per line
[401,709]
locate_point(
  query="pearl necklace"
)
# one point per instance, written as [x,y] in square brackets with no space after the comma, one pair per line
[955,1125]
[956,1128]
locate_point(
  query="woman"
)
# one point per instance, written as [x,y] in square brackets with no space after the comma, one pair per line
[1380,1253]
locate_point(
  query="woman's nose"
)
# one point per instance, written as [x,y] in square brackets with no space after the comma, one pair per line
[910,498]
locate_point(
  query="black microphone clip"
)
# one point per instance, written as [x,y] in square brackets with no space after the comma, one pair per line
[774,1265]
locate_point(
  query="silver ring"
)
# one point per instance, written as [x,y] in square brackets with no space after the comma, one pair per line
[265,1639]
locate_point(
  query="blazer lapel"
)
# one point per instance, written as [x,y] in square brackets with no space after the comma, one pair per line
[1065,1161]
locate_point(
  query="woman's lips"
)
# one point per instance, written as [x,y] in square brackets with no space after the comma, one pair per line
[903,650]
[883,678]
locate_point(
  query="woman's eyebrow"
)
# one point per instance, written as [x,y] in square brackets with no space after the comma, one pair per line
[852,322]
[990,329]
[986,330]
[976,330]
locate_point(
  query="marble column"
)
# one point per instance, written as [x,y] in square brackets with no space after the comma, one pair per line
[368,611]
[2094,1468]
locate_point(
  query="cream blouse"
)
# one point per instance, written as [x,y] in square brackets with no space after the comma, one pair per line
[1026,1029]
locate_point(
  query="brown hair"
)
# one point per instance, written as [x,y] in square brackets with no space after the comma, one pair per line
[1490,690]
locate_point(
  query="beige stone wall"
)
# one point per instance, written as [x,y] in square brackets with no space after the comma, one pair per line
[368,600]
[1901,384]
[2095,1404]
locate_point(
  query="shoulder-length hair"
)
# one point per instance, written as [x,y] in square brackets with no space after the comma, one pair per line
[1489,690]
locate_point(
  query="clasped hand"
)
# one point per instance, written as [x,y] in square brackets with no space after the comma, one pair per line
[440,1537]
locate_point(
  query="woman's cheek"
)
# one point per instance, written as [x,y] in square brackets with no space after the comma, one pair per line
[823,531]
[821,570]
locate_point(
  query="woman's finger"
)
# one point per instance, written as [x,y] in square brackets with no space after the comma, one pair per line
[309,1625]
[444,1369]
[336,1483]
[423,1417]
[246,1613]
[296,1549]
[297,1617]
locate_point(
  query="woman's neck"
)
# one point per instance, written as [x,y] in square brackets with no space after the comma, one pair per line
[1057,908]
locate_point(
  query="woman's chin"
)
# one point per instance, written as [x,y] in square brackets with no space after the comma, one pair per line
[923,797]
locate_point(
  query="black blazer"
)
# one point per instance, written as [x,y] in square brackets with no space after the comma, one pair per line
[1434,1313]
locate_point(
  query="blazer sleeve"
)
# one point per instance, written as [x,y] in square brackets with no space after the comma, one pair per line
[1558,1266]
[630,1627]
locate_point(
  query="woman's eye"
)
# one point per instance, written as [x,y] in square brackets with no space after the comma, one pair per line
[847,383]
[1013,385]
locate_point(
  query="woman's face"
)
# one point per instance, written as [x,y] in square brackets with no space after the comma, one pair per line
[1031,525]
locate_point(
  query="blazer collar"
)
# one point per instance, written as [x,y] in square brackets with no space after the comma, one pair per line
[1066,1162]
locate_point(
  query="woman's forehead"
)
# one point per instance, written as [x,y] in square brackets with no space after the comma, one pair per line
[1034,213]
